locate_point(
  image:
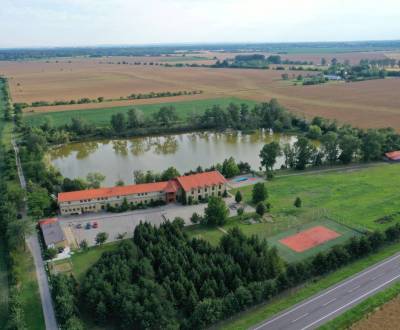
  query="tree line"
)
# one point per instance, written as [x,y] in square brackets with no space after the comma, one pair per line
[100,99]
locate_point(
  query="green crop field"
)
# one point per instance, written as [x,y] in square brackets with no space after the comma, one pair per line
[102,116]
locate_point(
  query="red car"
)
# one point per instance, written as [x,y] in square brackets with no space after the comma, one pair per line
[95,224]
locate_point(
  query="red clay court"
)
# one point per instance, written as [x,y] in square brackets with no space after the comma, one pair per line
[309,238]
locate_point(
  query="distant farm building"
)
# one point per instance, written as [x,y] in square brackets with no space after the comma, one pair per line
[194,187]
[332,77]
[393,156]
[53,234]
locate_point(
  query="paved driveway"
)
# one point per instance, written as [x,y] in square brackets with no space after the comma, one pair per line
[120,223]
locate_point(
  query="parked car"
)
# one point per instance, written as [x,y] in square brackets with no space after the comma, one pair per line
[88,225]
[95,225]
[79,226]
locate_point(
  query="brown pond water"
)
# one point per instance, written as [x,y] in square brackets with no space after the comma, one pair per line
[117,159]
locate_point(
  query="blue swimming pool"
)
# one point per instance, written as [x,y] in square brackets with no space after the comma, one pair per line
[240,179]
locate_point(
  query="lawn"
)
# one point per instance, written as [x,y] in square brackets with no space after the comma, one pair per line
[102,116]
[30,297]
[356,198]
[81,261]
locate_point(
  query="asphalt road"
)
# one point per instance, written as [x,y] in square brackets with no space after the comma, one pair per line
[319,309]
[44,290]
[33,244]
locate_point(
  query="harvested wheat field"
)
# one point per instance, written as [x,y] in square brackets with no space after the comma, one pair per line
[373,103]
[387,317]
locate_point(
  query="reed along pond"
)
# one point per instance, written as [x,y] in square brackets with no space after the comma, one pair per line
[117,159]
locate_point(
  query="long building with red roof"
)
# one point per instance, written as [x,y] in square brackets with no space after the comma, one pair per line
[184,188]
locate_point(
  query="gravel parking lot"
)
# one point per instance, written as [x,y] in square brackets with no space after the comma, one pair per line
[120,223]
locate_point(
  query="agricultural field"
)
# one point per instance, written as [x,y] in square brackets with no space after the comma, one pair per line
[386,317]
[364,104]
[102,116]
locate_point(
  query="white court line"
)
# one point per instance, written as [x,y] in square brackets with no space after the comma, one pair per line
[327,292]
[299,318]
[351,302]
[328,302]
[354,289]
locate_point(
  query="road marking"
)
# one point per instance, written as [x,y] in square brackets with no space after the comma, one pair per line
[327,292]
[354,289]
[330,301]
[351,302]
[299,318]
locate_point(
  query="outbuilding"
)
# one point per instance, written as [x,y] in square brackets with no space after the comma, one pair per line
[393,156]
[53,234]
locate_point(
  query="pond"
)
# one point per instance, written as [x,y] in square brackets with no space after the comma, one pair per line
[117,159]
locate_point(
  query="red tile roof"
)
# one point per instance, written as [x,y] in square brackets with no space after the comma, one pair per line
[394,155]
[114,191]
[200,180]
[47,221]
[186,182]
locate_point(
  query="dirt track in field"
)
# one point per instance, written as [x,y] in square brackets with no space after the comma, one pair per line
[372,103]
[387,318]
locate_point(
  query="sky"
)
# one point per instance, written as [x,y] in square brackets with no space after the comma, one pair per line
[38,23]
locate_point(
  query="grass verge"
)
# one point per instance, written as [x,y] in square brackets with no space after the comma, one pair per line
[258,314]
[355,314]
[3,286]
[30,296]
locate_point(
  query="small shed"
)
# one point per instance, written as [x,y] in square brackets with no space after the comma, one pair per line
[53,234]
[393,156]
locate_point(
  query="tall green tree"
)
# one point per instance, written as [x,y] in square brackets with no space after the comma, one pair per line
[268,155]
[330,145]
[134,118]
[118,122]
[95,179]
[230,168]
[304,152]
[259,193]
[170,173]
[372,145]
[216,212]
[349,145]
[17,230]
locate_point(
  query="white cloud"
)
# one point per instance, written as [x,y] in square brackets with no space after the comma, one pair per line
[83,22]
